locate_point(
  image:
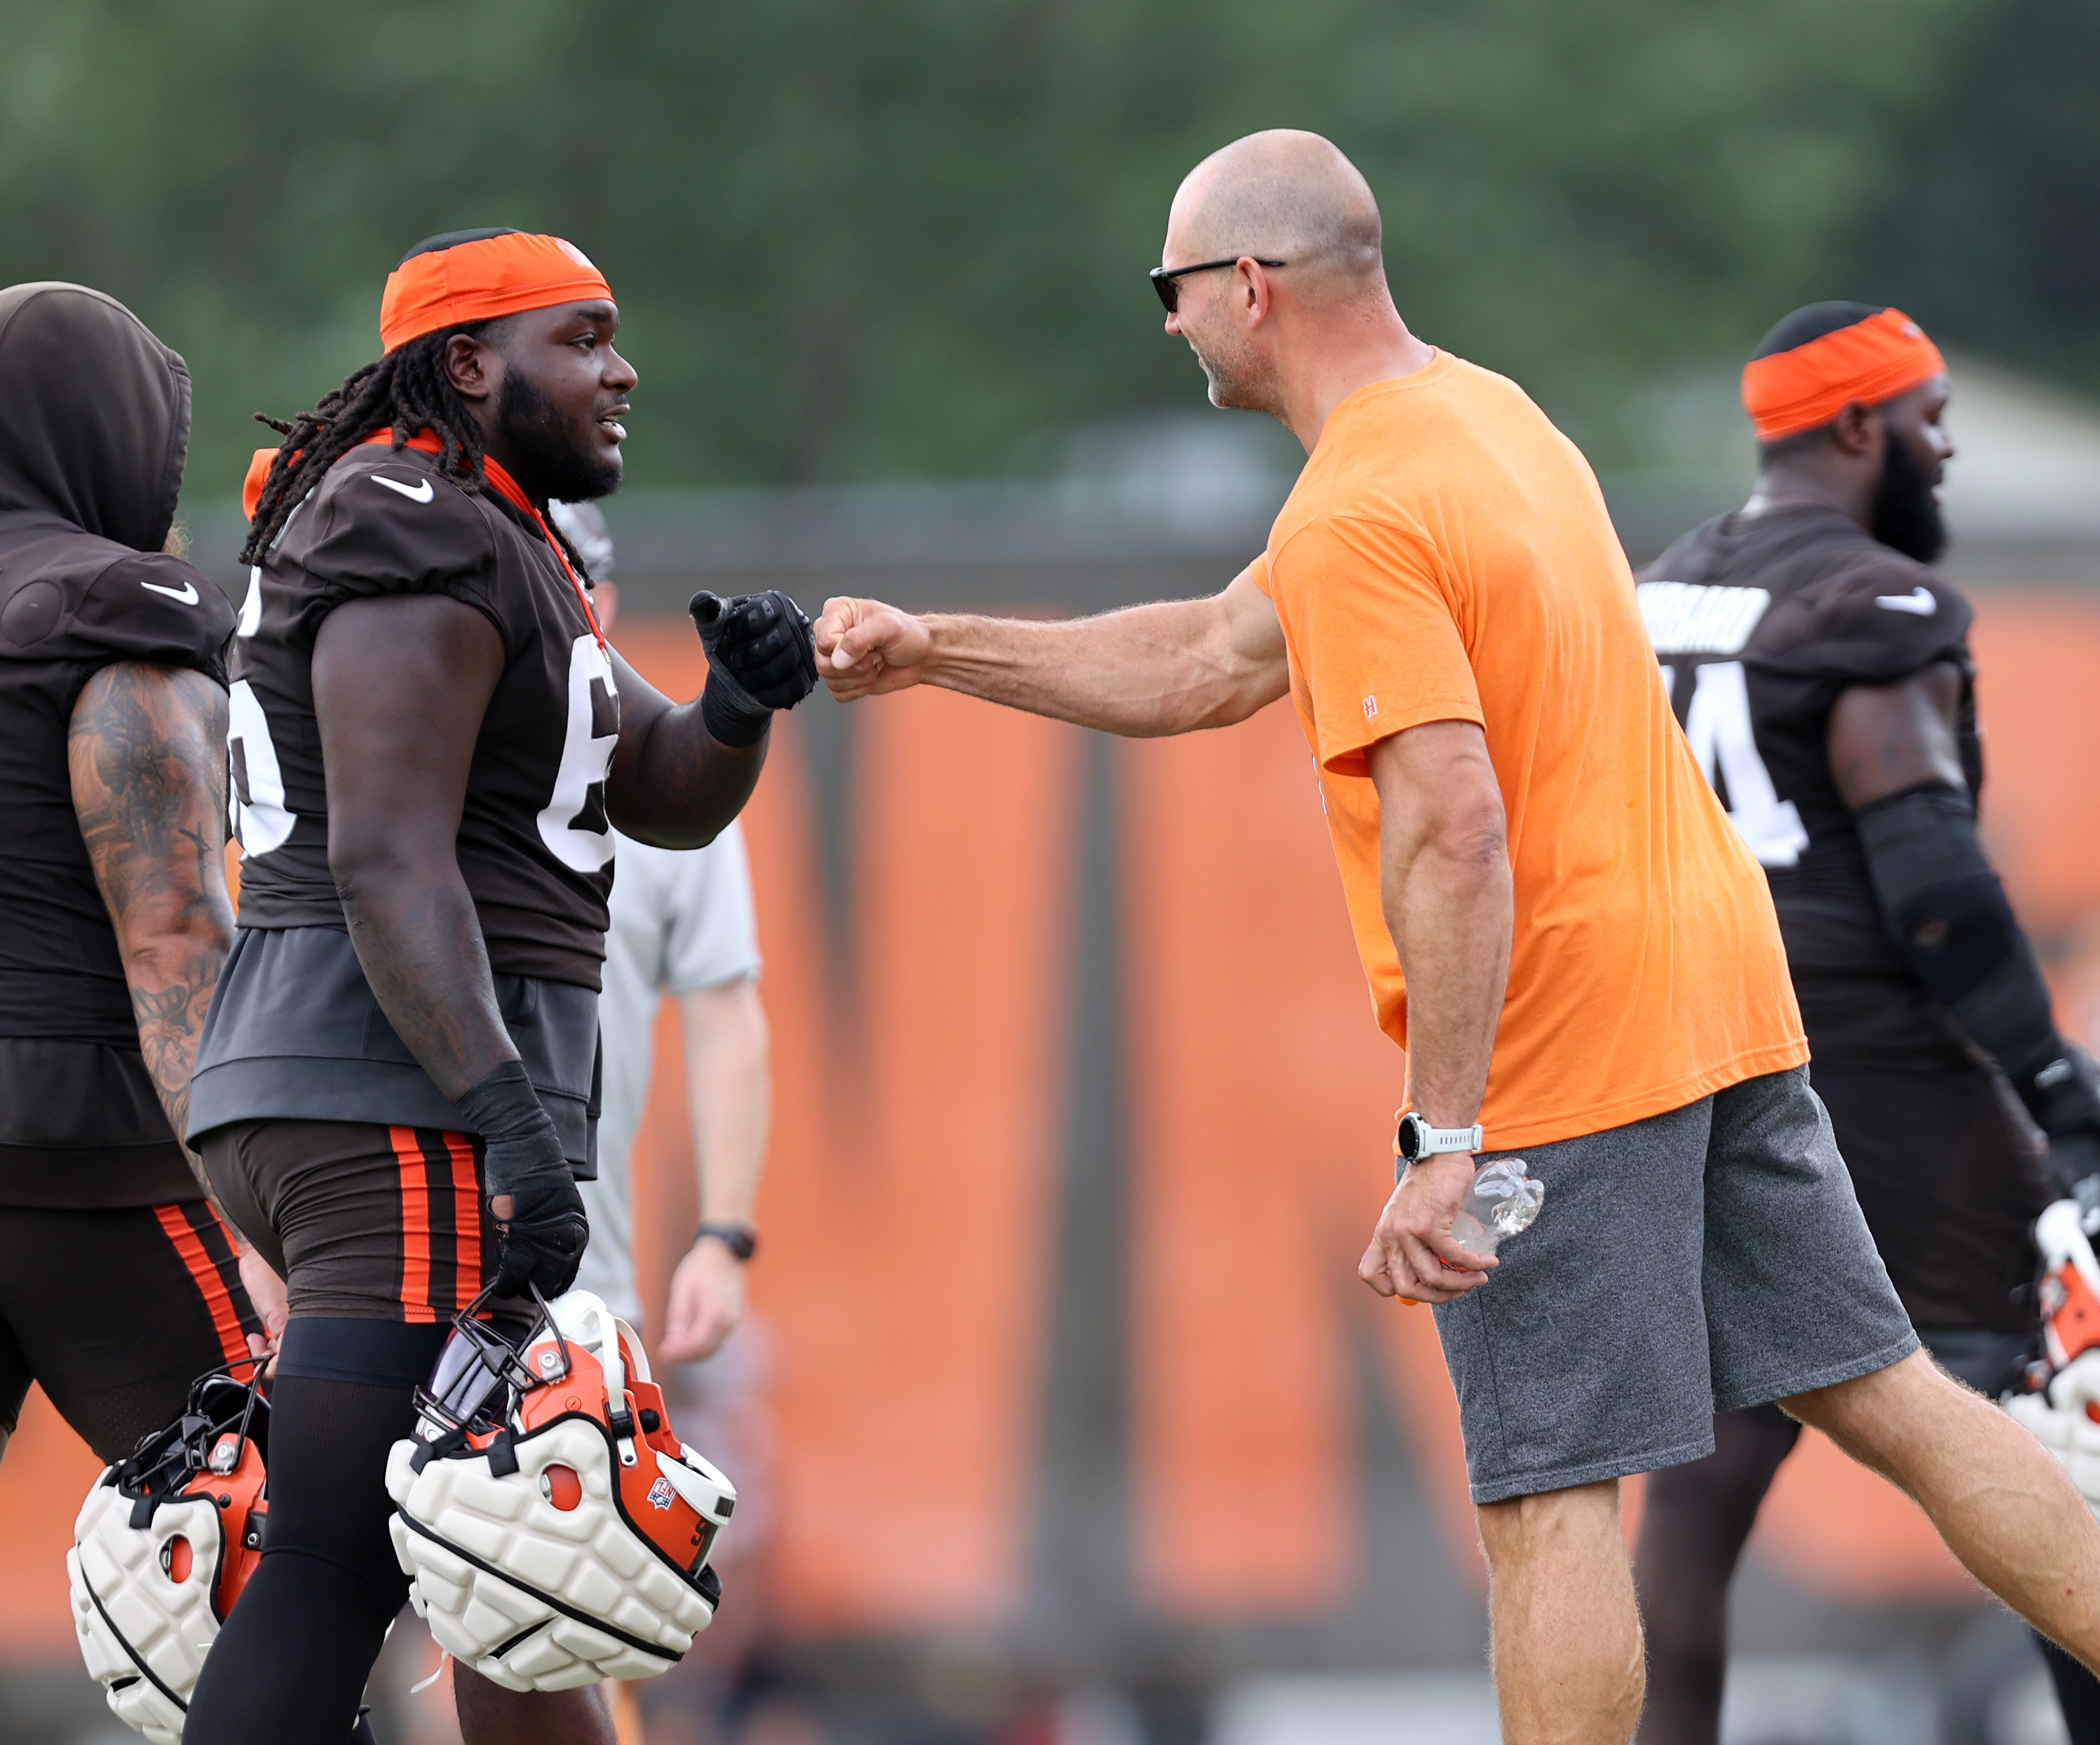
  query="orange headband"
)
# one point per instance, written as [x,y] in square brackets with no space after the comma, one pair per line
[1870,361]
[475,281]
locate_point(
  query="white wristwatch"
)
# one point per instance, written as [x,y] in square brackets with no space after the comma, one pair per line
[1416,1139]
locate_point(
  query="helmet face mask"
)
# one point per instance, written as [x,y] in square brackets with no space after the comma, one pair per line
[168,1459]
[480,1376]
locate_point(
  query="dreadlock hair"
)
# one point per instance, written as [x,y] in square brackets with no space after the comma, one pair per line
[407,390]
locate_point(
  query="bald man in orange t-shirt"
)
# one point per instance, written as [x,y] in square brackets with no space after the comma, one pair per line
[1559,925]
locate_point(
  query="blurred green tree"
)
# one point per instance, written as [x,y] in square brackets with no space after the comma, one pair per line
[861,241]
[1985,229]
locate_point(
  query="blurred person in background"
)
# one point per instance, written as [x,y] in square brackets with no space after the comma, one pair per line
[1560,925]
[682,922]
[1823,675]
[394,1093]
[119,1285]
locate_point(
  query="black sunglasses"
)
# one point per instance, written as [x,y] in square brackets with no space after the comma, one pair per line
[1165,280]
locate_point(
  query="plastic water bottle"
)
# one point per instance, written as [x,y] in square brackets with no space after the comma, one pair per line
[1504,1202]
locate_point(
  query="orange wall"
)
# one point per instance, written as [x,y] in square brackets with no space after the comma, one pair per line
[910,1199]
[2037,660]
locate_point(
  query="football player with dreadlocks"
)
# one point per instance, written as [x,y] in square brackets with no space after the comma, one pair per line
[431,742]
[1822,671]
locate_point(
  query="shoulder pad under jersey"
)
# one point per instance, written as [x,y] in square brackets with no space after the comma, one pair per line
[384,522]
[1875,619]
[79,598]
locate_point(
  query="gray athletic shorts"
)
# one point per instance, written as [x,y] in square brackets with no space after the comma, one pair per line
[1698,1261]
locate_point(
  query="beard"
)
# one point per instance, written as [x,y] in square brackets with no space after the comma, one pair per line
[1906,513]
[551,462]
[1238,382]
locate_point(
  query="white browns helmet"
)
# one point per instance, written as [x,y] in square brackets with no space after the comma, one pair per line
[556,1530]
[164,1544]
[2062,1405]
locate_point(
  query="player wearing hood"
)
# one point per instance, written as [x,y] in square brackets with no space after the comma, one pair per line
[118,1283]
[431,744]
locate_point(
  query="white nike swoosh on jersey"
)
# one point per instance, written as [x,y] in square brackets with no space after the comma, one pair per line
[187,594]
[1919,600]
[418,493]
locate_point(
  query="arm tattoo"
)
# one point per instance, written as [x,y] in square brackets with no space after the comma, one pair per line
[146,750]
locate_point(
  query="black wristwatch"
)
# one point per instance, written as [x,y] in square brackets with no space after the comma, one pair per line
[740,1239]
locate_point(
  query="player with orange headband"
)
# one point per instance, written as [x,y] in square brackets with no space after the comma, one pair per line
[431,742]
[1823,674]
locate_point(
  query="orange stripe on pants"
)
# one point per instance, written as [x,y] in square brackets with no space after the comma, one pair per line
[416,1303]
[466,1218]
[225,1318]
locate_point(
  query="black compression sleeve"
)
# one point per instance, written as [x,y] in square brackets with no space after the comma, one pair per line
[1947,914]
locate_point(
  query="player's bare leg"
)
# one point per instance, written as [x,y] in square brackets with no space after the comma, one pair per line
[1998,1499]
[1566,1631]
[489,1715]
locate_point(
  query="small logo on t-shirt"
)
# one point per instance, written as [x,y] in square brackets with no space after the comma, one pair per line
[418,493]
[1370,707]
[1919,600]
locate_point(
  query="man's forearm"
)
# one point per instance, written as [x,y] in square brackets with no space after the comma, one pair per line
[419,940]
[1141,672]
[730,1088]
[1451,914]
[1445,886]
[172,979]
[146,758]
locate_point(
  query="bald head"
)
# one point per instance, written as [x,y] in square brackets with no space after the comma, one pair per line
[1281,195]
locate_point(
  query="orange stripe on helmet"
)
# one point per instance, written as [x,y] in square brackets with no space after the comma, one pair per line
[1870,361]
[211,1286]
[416,1303]
[478,280]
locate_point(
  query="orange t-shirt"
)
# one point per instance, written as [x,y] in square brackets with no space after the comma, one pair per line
[1446,556]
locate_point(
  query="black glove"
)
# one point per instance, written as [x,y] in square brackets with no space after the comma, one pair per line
[2064,1095]
[543,1237]
[2065,1102]
[761,656]
[2073,1165]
